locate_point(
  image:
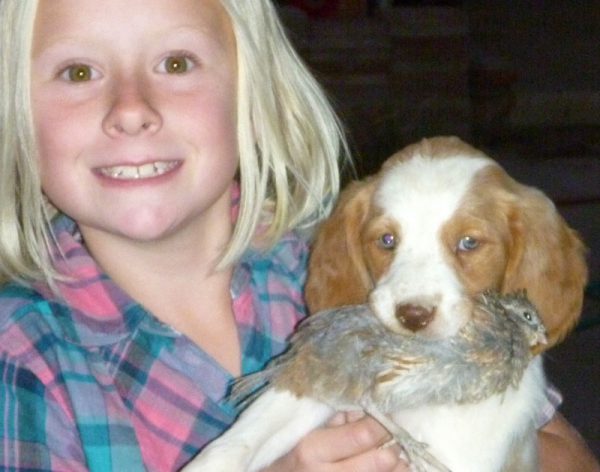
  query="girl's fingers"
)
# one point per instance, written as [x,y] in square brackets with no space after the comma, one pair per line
[344,417]
[345,444]
[338,443]
[375,460]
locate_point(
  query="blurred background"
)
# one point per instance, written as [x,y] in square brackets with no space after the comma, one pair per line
[520,79]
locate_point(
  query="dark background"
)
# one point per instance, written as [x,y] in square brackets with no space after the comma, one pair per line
[521,79]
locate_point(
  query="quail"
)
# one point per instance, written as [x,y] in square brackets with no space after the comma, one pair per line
[348,359]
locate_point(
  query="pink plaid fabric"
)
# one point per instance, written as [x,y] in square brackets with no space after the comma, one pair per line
[92,381]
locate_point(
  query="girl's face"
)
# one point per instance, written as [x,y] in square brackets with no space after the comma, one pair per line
[134,110]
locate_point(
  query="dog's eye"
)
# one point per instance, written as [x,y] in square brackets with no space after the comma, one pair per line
[467,243]
[387,241]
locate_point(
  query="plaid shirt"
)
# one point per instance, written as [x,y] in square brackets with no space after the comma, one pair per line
[92,381]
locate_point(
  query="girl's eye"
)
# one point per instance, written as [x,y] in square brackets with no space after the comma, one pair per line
[467,243]
[179,64]
[79,73]
[387,241]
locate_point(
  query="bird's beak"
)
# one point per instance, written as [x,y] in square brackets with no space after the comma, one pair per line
[541,338]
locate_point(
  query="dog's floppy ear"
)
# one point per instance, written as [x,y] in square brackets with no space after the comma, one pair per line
[547,258]
[337,274]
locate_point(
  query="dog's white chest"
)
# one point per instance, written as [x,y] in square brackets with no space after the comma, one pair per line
[483,437]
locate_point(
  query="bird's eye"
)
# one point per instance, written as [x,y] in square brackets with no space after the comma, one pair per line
[387,241]
[467,243]
[527,315]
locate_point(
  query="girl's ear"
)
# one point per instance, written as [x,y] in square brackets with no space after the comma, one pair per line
[547,259]
[337,274]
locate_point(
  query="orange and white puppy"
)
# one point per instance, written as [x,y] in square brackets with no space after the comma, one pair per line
[439,223]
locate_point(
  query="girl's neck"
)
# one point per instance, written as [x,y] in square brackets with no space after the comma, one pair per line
[177,281]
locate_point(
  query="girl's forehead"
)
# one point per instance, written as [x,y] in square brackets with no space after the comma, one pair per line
[120,20]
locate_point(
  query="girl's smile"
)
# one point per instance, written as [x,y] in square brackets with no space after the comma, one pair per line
[141,172]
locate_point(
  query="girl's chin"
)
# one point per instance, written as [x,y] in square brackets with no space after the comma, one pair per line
[133,229]
[148,233]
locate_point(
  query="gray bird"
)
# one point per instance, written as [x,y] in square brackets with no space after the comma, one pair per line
[348,359]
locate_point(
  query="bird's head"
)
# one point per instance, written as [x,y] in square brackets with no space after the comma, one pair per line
[522,311]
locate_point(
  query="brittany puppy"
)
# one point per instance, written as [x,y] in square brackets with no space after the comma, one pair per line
[419,242]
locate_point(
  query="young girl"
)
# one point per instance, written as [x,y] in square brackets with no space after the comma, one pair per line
[180,143]
[159,160]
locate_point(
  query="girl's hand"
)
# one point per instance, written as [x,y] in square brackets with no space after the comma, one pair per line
[344,444]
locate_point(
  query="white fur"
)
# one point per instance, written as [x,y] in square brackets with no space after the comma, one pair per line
[421,195]
[272,425]
[479,437]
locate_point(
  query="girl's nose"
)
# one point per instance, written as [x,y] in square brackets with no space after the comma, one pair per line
[131,113]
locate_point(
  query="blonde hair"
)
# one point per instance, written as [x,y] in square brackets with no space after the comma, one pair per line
[23,220]
[290,141]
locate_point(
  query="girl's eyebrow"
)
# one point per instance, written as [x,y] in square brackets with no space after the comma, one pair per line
[199,32]
[58,43]
[210,32]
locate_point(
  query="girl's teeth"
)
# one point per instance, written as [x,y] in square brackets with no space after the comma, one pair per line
[144,171]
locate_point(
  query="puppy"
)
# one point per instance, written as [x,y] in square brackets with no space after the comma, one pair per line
[439,224]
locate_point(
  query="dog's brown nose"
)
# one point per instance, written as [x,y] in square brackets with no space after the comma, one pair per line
[414,317]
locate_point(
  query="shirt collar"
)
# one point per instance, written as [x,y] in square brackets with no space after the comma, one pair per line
[97,311]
